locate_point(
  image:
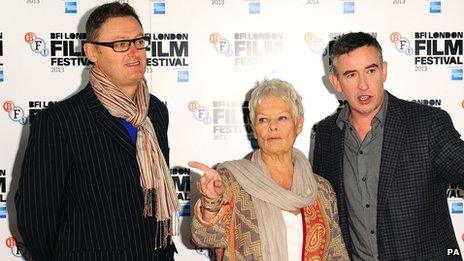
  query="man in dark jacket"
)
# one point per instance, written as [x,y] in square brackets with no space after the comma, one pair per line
[389,161]
[95,182]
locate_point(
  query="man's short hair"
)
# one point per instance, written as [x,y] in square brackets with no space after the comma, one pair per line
[100,15]
[351,41]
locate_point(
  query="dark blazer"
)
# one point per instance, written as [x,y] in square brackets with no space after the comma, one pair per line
[421,154]
[79,195]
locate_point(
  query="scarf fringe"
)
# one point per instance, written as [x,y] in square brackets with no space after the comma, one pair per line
[148,206]
[165,230]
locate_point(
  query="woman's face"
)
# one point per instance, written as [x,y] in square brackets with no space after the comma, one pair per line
[275,126]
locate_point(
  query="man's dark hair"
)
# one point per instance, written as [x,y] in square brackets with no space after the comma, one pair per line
[103,13]
[351,41]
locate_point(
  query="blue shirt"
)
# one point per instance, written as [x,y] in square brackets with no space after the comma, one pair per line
[130,129]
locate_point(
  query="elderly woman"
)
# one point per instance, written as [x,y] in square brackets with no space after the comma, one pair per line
[270,206]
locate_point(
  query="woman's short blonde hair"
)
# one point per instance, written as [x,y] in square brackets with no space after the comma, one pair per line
[266,89]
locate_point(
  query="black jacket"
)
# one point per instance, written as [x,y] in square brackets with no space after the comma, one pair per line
[421,154]
[79,195]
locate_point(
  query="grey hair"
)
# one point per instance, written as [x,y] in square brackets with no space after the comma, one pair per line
[266,89]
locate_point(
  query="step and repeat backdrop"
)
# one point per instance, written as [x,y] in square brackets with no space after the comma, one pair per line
[204,57]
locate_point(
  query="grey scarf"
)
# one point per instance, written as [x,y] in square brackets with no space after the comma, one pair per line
[269,198]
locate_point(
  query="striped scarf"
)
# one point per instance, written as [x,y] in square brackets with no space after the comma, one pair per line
[155,177]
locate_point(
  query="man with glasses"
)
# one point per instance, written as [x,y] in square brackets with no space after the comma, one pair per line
[95,182]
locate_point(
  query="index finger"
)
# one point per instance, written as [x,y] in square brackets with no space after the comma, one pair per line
[200,166]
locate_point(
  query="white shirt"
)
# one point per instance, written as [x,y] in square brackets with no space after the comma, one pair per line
[294,226]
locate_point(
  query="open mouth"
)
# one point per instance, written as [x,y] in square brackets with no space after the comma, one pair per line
[364,99]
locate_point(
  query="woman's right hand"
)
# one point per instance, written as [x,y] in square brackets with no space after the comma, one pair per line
[210,184]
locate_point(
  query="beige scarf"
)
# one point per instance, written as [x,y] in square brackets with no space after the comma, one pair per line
[155,176]
[269,198]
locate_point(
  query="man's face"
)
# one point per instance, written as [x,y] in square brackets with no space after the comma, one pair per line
[360,75]
[124,69]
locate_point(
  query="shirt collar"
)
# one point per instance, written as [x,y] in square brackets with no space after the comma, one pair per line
[343,116]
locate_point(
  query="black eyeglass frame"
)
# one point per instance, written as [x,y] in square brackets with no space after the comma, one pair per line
[131,41]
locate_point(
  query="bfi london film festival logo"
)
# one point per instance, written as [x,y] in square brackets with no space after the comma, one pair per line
[402,44]
[169,50]
[181,178]
[226,118]
[438,48]
[15,112]
[221,45]
[316,44]
[66,49]
[433,50]
[200,112]
[37,44]
[17,248]
[248,49]
[2,76]
[159,7]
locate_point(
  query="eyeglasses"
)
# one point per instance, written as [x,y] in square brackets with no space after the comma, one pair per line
[124,45]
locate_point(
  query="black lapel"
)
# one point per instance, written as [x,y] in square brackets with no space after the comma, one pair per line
[393,133]
[108,123]
[338,137]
